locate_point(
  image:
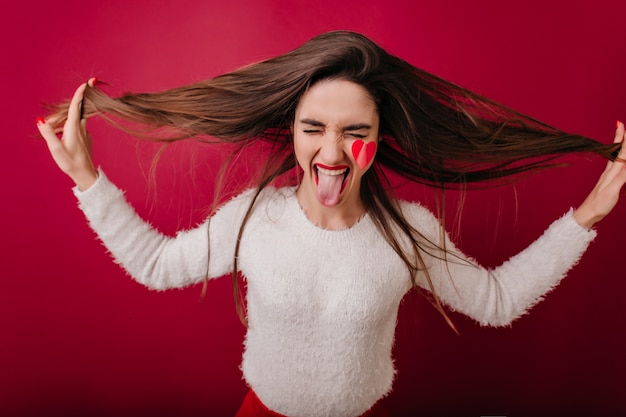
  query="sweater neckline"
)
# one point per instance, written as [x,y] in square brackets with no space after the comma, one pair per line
[359,227]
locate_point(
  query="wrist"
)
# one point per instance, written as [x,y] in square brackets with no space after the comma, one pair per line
[585,218]
[85,180]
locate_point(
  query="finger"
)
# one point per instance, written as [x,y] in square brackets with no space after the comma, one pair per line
[73,113]
[83,120]
[91,83]
[619,132]
[47,132]
[619,138]
[72,128]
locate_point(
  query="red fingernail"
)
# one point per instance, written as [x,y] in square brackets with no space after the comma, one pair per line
[617,124]
[94,81]
[41,120]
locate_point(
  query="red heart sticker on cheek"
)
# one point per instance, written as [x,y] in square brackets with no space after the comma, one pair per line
[363,153]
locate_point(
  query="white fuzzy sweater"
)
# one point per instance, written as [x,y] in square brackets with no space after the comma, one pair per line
[322,304]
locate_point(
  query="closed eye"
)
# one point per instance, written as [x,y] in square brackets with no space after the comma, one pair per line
[312,131]
[358,136]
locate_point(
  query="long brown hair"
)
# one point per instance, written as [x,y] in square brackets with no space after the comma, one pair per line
[435,132]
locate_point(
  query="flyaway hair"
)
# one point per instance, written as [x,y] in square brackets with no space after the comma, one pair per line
[435,132]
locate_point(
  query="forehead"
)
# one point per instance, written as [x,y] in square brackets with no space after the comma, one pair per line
[334,101]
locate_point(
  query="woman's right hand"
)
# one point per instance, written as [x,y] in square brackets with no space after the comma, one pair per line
[606,193]
[72,151]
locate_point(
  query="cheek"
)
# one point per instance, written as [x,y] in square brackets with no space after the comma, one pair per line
[363,152]
[301,152]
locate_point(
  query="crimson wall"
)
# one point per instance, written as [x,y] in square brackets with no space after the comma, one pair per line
[79,337]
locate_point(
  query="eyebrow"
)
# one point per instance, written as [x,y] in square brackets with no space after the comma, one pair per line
[356,126]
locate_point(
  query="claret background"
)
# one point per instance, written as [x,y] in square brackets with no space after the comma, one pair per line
[79,338]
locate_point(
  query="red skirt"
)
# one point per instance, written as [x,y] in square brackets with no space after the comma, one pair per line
[253,407]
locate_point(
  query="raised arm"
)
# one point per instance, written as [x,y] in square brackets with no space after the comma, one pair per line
[499,296]
[153,259]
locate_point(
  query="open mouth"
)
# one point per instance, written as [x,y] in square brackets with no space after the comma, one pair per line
[330,182]
[336,172]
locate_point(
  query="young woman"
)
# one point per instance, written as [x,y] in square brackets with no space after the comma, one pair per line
[328,259]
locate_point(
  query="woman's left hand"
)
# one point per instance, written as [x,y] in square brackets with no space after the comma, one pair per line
[605,194]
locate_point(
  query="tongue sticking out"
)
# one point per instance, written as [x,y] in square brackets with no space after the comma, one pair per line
[329,188]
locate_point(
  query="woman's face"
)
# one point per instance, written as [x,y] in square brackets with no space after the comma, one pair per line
[335,139]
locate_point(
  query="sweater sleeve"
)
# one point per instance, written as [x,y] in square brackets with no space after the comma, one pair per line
[153,259]
[497,297]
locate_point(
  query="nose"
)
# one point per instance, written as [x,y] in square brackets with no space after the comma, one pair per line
[331,150]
